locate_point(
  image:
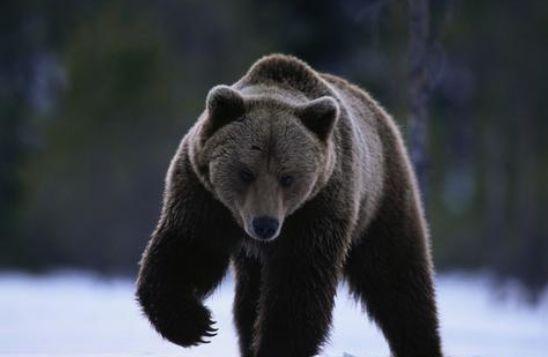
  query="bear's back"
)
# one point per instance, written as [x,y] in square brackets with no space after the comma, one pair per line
[288,73]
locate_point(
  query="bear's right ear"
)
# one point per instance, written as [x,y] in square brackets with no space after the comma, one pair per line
[223,105]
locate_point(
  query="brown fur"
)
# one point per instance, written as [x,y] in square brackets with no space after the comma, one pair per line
[352,211]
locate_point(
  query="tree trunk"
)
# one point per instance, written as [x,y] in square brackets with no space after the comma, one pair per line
[419,91]
[528,262]
[15,71]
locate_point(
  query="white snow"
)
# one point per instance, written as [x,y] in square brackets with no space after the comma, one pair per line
[78,314]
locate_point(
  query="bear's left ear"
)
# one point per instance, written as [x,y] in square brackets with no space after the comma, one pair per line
[319,116]
[223,105]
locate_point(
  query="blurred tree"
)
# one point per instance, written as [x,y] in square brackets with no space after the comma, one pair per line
[97,160]
[15,54]
[419,86]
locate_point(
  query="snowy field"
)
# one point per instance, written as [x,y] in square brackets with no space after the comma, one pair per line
[75,314]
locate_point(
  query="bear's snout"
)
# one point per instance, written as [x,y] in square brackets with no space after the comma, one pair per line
[265,227]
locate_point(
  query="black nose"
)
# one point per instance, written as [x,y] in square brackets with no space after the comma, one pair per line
[265,227]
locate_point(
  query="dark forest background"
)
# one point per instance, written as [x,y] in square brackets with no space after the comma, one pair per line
[95,96]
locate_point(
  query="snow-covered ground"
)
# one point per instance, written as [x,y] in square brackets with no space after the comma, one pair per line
[68,314]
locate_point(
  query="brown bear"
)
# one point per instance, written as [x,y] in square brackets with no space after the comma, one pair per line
[301,180]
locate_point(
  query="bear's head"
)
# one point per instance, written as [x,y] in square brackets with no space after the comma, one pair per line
[263,157]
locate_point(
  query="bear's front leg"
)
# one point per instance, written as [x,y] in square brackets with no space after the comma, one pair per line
[185,260]
[299,286]
[390,271]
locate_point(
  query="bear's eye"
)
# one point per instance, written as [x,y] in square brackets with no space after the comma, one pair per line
[246,175]
[286,180]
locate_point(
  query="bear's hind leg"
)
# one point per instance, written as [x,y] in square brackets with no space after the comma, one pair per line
[299,284]
[248,280]
[389,271]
